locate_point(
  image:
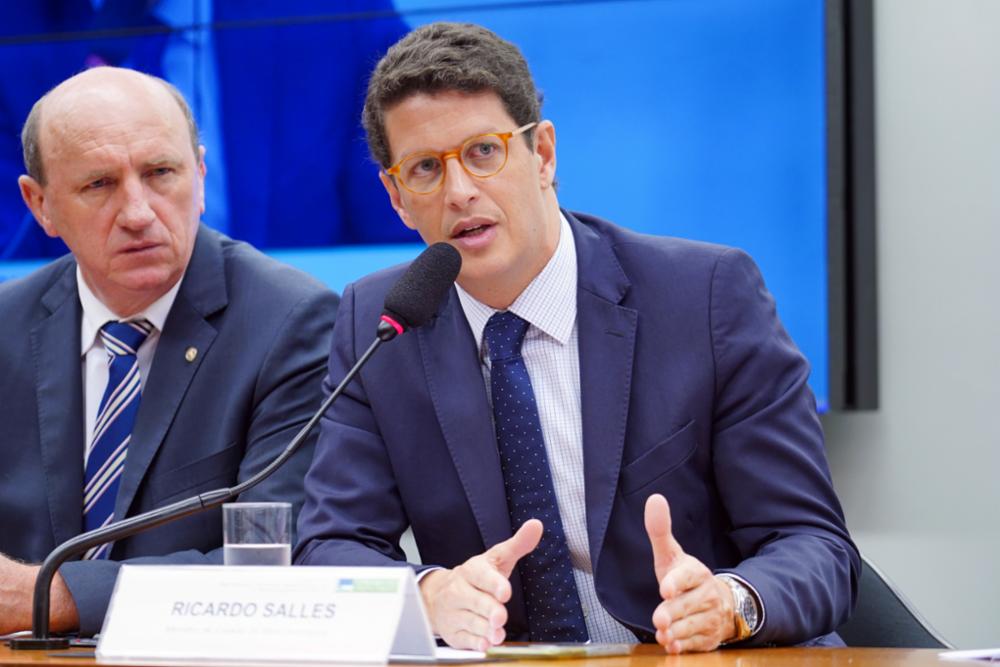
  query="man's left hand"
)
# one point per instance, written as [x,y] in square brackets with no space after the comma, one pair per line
[697,609]
[17,586]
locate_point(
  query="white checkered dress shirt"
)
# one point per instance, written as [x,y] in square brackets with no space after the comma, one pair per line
[552,357]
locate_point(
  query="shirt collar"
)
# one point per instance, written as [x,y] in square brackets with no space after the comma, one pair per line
[96,314]
[548,302]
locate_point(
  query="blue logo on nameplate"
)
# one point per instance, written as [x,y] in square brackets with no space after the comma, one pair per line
[367,585]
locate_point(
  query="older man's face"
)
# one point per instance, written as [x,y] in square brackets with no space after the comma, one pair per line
[123,189]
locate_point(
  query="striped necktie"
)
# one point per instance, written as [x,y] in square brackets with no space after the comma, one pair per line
[113,426]
[550,595]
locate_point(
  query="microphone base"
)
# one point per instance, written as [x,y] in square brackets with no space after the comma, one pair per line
[39,644]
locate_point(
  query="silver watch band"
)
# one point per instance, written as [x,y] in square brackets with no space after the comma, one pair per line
[746,609]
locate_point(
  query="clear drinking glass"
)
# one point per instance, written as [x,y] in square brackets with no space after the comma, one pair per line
[257,533]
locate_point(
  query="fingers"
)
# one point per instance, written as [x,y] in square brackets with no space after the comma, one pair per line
[466,604]
[469,594]
[491,572]
[665,548]
[700,632]
[692,644]
[470,630]
[463,628]
[686,574]
[504,556]
[460,612]
[471,641]
[688,589]
[480,573]
[694,615]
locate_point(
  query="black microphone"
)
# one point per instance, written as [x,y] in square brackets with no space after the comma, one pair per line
[417,294]
[410,303]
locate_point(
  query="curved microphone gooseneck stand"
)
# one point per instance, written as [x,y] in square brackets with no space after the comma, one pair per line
[41,639]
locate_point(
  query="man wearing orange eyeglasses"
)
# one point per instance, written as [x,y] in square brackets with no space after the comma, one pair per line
[602,435]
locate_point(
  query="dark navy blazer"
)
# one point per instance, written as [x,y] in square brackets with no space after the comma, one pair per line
[690,388]
[262,333]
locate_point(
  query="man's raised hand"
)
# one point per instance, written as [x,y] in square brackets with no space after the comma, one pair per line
[466,604]
[696,613]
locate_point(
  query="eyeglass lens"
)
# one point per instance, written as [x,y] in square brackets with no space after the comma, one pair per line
[481,156]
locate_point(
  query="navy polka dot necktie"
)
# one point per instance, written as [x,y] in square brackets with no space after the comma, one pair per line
[550,595]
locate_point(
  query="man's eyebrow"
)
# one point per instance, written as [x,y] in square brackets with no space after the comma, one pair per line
[162,160]
[157,161]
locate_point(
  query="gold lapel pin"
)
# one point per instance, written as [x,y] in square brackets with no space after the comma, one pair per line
[191,354]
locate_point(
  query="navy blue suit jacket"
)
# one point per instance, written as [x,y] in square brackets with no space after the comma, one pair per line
[262,333]
[690,388]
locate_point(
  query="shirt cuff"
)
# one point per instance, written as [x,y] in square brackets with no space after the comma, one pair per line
[423,573]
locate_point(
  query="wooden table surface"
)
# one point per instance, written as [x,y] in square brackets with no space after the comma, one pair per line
[642,656]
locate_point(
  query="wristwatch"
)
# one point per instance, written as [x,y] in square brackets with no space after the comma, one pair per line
[746,615]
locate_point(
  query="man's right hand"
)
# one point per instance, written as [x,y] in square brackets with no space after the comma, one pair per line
[466,604]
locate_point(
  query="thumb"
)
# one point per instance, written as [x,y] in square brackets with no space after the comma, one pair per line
[665,548]
[504,556]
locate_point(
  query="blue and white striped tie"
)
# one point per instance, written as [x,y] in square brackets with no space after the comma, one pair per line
[113,426]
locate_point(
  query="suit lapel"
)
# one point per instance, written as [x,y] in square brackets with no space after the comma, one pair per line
[607,343]
[202,293]
[457,390]
[55,345]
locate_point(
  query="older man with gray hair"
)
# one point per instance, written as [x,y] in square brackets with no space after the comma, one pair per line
[158,360]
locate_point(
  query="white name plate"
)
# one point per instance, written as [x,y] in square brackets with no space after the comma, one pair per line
[264,614]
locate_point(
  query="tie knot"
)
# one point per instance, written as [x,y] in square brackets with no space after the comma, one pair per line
[504,333]
[124,338]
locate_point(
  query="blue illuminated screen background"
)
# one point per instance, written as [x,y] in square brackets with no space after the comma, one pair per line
[696,118]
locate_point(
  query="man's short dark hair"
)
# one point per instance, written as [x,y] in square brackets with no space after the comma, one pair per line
[448,57]
[30,133]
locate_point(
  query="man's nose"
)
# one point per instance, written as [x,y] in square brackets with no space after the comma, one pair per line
[460,189]
[135,212]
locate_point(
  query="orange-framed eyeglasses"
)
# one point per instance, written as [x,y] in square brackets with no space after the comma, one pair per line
[481,156]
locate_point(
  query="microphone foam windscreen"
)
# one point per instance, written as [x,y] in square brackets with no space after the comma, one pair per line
[418,293]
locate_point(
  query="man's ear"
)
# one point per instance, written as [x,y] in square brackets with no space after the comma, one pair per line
[33,194]
[202,170]
[545,149]
[395,199]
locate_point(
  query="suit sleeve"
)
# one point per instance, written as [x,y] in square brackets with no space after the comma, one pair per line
[285,396]
[771,467]
[353,513]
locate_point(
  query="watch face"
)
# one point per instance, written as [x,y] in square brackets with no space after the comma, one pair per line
[745,606]
[748,610]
